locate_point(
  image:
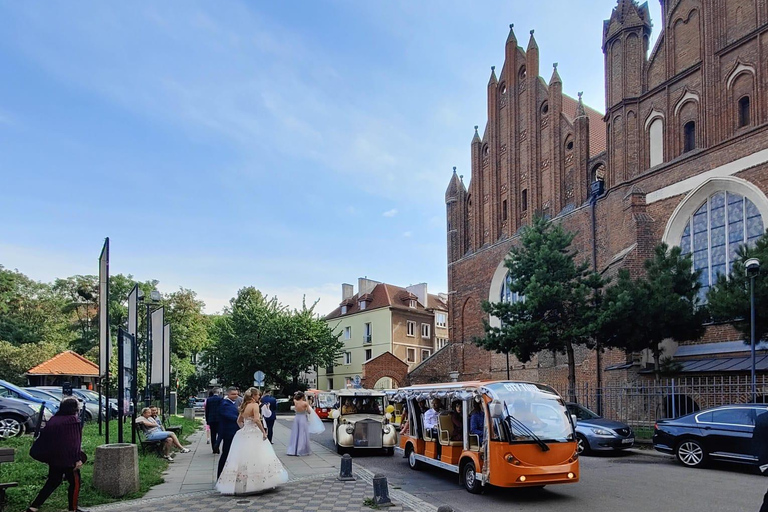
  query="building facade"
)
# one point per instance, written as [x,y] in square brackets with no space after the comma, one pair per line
[382,318]
[680,156]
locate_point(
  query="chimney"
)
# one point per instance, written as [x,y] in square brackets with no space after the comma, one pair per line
[420,291]
[347,291]
[365,285]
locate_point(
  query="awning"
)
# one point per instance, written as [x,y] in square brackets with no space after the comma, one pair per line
[722,364]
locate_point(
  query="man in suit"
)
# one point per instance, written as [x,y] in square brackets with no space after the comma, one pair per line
[228,427]
[760,448]
[268,399]
[212,405]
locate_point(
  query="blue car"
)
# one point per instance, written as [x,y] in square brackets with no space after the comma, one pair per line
[595,433]
[11,391]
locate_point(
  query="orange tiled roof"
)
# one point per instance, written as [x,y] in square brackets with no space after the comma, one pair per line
[597,142]
[66,363]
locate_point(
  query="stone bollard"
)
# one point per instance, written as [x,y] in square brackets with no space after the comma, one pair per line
[444,508]
[345,470]
[116,469]
[189,413]
[381,491]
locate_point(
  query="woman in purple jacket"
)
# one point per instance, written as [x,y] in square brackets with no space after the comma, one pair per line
[59,447]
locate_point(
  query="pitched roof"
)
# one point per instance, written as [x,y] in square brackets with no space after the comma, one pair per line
[66,363]
[387,295]
[597,142]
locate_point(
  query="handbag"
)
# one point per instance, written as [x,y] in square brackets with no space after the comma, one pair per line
[37,452]
[266,412]
[316,425]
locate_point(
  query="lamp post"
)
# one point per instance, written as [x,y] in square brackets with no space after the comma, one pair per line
[154,299]
[752,266]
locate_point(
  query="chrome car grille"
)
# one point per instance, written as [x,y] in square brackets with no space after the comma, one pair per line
[623,432]
[367,434]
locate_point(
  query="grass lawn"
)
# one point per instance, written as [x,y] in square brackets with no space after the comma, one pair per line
[31,474]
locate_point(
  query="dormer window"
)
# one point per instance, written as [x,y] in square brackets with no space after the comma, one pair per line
[344,309]
[362,304]
[412,303]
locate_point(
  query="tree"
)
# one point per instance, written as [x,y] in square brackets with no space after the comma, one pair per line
[664,304]
[15,361]
[554,313]
[729,298]
[259,333]
[80,304]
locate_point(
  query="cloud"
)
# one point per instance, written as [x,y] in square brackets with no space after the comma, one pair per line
[390,213]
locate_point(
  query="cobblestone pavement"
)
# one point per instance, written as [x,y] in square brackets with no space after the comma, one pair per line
[313,486]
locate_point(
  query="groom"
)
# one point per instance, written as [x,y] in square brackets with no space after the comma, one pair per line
[269,400]
[228,426]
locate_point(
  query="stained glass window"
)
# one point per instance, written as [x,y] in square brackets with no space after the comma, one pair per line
[716,230]
[507,295]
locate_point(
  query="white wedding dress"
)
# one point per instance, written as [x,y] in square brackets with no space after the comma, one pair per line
[252,465]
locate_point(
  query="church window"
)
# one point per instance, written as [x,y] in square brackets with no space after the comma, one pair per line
[503,89]
[524,200]
[545,108]
[507,295]
[656,142]
[486,150]
[522,73]
[569,145]
[713,234]
[689,136]
[744,112]
[504,210]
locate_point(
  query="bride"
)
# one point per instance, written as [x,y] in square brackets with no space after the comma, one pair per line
[252,465]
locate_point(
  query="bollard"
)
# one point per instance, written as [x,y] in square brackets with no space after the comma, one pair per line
[345,470]
[444,508]
[381,491]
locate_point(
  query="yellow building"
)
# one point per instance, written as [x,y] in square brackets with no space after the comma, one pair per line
[409,322]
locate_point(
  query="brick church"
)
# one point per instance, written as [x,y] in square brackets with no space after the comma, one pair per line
[681,156]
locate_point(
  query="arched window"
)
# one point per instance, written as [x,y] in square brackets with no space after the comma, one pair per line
[544,108]
[522,74]
[507,295]
[656,141]
[689,136]
[524,200]
[744,112]
[715,231]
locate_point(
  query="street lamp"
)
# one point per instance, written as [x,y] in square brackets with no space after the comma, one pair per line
[752,266]
[154,299]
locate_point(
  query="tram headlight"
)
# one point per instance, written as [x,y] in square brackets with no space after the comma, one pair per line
[350,429]
[571,476]
[521,479]
[511,459]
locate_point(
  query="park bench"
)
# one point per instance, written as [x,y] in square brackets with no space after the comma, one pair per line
[176,429]
[6,455]
[156,445]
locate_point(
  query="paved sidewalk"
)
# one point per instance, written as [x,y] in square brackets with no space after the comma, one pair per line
[189,482]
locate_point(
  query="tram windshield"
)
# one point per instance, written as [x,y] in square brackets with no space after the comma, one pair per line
[533,413]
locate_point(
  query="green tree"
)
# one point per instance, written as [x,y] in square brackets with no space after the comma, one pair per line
[729,299]
[80,305]
[258,332]
[663,304]
[555,312]
[15,361]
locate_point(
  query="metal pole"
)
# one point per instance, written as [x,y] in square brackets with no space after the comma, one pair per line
[752,329]
[148,353]
[134,384]
[120,384]
[508,366]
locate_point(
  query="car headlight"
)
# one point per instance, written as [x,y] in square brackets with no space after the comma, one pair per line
[350,429]
[387,429]
[602,432]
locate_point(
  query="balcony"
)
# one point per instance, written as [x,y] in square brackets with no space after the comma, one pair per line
[367,338]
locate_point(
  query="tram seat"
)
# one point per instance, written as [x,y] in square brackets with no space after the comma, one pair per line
[427,432]
[474,442]
[446,430]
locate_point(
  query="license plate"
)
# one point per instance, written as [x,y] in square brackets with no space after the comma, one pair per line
[628,440]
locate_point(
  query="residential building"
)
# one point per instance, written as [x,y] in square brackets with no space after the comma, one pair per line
[383,318]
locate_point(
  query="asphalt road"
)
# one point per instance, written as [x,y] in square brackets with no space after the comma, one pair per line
[641,481]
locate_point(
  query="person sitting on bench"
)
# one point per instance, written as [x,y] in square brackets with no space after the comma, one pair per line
[154,432]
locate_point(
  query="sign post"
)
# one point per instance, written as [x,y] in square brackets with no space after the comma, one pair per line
[258,378]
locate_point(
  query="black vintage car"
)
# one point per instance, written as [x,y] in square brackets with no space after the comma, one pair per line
[720,433]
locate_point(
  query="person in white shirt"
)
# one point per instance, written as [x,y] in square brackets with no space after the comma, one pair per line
[430,417]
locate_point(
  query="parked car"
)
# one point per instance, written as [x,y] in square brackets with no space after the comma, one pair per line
[12,391]
[595,433]
[360,421]
[91,408]
[19,416]
[720,433]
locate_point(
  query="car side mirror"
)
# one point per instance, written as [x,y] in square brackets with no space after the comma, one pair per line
[496,409]
[574,419]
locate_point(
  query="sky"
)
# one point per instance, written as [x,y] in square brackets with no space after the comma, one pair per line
[291,146]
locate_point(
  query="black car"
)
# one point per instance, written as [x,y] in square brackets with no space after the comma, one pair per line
[720,433]
[18,416]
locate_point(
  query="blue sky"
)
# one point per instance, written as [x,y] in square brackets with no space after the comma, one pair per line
[291,146]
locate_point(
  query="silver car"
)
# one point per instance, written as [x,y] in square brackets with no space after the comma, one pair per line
[595,433]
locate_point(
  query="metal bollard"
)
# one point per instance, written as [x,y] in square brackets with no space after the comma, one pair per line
[381,491]
[444,508]
[345,470]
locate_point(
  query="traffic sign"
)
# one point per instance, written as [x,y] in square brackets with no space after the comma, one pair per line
[258,378]
[356,381]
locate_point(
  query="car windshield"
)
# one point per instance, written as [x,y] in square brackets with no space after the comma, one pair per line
[326,400]
[362,405]
[581,412]
[534,411]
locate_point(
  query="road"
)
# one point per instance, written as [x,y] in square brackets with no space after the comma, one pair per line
[632,482]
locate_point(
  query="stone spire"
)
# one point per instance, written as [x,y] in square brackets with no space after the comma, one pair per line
[532,43]
[555,76]
[580,112]
[476,138]
[511,38]
[493,79]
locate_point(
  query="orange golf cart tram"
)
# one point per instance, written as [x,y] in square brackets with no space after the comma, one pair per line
[523,435]
[322,401]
